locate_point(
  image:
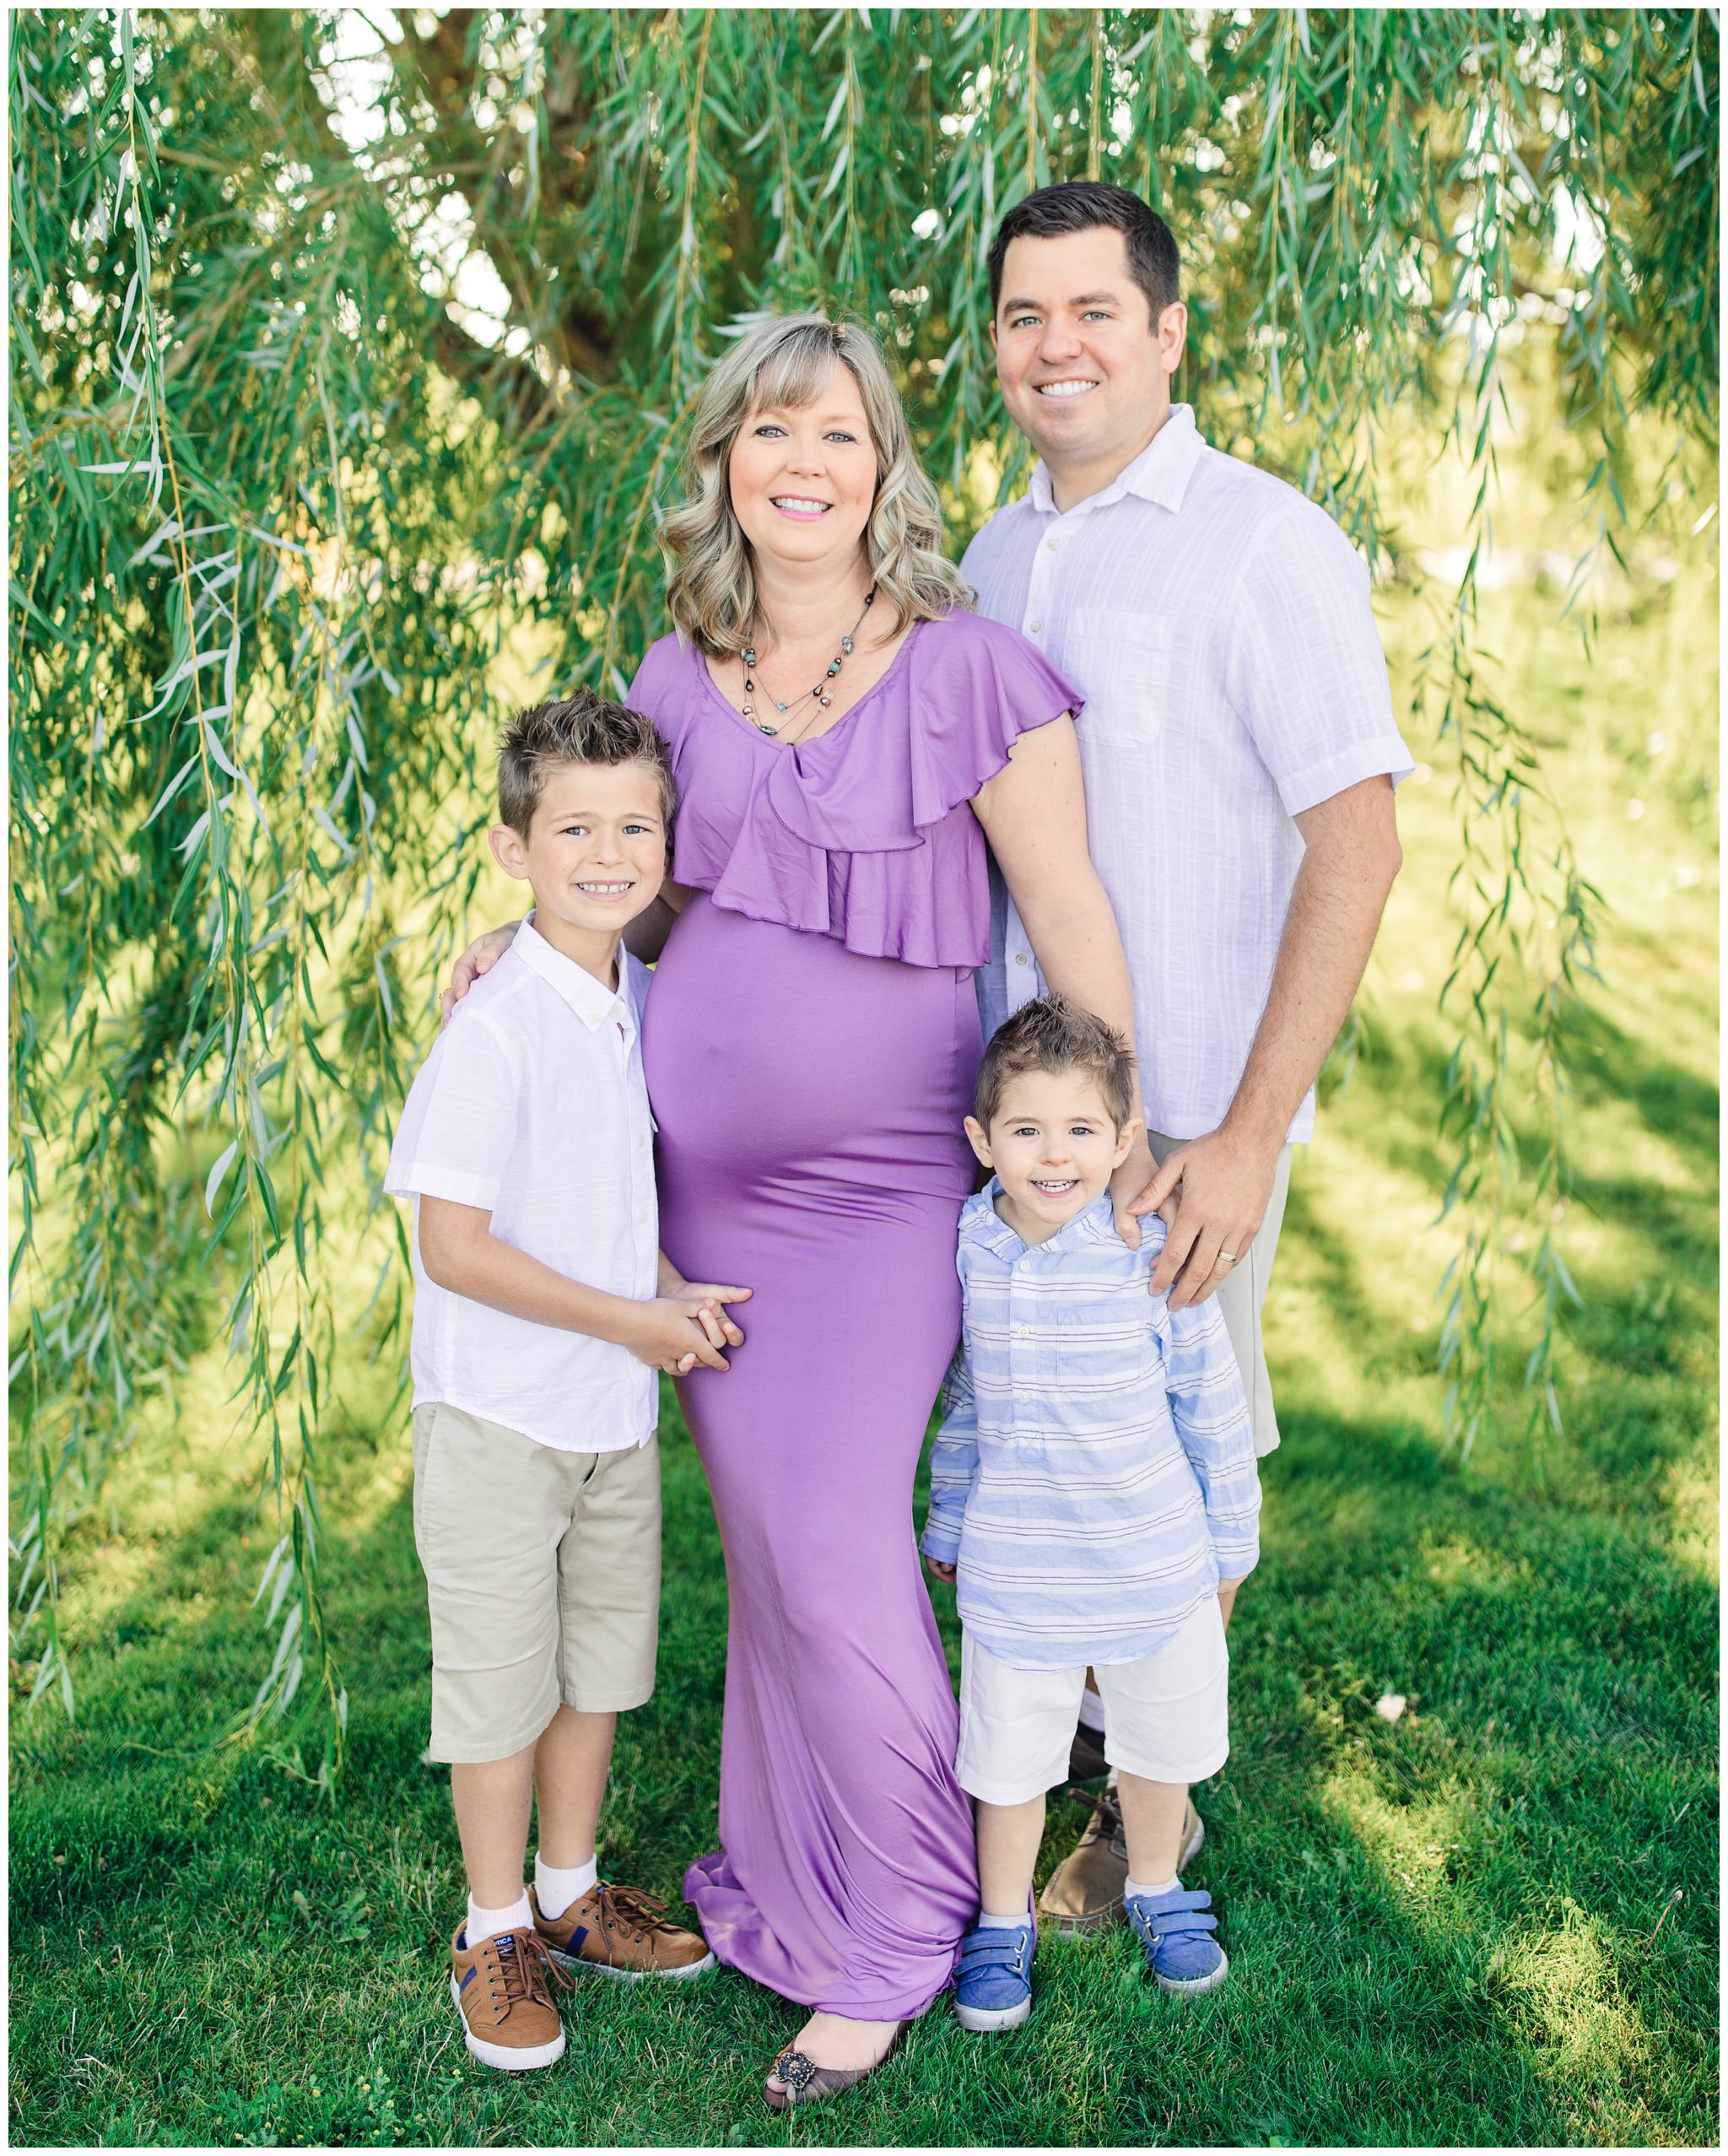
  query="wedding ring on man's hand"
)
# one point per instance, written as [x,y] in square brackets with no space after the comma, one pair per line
[1227,1257]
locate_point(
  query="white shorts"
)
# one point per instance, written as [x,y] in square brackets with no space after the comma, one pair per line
[1166,1716]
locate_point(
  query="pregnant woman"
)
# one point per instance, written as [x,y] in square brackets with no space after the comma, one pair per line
[845,733]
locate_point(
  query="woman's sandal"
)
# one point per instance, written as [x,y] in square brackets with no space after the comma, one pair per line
[807,2082]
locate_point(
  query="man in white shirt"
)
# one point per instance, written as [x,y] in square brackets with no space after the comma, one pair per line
[1239,753]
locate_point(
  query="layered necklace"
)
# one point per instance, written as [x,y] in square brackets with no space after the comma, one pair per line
[819,698]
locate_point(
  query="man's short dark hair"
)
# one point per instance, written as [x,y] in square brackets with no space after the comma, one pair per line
[1083,205]
[580,728]
[1053,1036]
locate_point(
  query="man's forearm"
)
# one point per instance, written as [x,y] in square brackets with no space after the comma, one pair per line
[1334,912]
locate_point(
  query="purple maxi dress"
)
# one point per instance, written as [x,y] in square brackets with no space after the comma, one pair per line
[810,1040]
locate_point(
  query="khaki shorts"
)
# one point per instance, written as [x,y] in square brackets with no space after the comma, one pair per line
[1166,1715]
[543,1575]
[1242,1295]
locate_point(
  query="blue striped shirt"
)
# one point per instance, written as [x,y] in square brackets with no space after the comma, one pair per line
[1095,1476]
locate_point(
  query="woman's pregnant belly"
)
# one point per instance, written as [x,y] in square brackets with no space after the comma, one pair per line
[783,1068]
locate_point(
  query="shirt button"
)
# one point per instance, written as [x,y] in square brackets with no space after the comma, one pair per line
[1053,543]
[1036,627]
[1019,957]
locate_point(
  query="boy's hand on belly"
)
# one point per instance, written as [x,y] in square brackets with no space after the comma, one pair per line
[721,1332]
[685,1325]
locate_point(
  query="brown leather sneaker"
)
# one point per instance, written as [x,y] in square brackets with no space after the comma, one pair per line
[619,1931]
[501,1992]
[1084,1893]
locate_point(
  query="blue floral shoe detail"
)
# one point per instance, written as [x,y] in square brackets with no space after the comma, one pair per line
[993,1976]
[1176,1930]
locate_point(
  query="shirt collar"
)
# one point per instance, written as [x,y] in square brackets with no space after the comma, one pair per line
[981,1223]
[1160,472]
[593,1003]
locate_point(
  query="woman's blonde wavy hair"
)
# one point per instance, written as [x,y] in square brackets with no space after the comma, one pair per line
[786,360]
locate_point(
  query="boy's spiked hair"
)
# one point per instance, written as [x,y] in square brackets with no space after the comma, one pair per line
[1053,1036]
[580,728]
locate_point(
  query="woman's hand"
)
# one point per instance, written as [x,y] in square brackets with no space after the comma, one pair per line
[713,1296]
[480,957]
[675,1332]
[1131,1182]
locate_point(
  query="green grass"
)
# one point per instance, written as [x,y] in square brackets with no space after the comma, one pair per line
[1493,1923]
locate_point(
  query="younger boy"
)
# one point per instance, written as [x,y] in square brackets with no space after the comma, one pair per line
[542,1311]
[1092,1485]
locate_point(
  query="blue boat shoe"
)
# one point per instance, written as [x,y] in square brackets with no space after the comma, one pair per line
[993,1976]
[1176,1929]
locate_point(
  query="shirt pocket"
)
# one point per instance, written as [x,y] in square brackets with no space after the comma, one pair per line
[1104,1361]
[1120,661]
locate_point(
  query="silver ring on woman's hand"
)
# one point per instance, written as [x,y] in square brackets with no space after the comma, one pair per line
[1227,1258]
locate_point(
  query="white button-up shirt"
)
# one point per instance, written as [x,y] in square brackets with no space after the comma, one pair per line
[1218,624]
[532,1107]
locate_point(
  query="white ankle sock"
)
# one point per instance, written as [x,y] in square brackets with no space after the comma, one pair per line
[1092,1711]
[488,1923]
[1170,1886]
[556,1887]
[1001,1923]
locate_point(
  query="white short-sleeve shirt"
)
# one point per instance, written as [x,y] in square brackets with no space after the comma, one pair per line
[1218,624]
[532,1107]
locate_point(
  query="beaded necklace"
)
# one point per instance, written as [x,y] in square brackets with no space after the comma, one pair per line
[819,698]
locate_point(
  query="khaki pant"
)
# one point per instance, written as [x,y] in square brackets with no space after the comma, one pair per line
[543,1575]
[1241,1297]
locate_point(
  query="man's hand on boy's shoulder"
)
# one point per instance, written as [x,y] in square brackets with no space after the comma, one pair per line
[480,957]
[1212,1193]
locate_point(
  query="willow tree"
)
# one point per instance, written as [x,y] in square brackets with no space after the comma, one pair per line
[346,345]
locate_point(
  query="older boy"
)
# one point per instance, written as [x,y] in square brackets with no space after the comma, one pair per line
[1093,1486]
[542,1312]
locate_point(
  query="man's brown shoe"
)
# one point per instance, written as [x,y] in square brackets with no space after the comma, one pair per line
[501,1992]
[618,1932]
[1084,1893]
